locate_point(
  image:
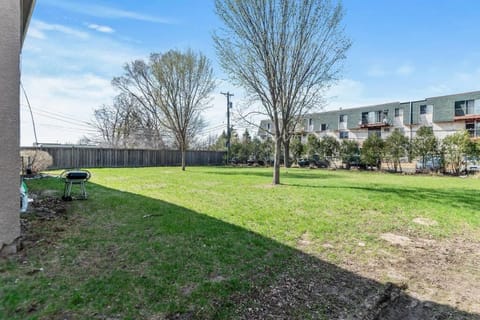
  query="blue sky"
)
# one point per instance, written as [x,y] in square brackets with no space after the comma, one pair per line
[402,50]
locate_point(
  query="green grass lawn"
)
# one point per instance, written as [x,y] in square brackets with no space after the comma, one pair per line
[154,243]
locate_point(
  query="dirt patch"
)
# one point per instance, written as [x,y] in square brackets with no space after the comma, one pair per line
[216,278]
[48,208]
[425,222]
[188,289]
[396,239]
[314,289]
[305,240]
[414,279]
[44,209]
[444,271]
[266,186]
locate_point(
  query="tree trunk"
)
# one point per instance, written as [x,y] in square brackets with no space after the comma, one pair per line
[286,153]
[182,148]
[276,163]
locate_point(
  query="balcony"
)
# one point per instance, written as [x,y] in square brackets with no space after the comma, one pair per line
[472,117]
[385,122]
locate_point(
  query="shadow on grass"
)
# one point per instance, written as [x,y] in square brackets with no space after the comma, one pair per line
[457,198]
[131,256]
[293,173]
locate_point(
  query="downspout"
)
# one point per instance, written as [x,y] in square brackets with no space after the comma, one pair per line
[411,121]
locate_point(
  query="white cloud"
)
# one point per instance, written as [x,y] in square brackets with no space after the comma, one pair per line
[36,33]
[39,28]
[106,12]
[376,71]
[97,55]
[62,106]
[100,28]
[405,70]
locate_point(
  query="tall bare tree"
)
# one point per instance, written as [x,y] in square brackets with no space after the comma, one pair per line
[284,53]
[174,88]
[185,83]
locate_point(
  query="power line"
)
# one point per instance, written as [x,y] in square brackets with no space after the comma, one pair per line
[61,117]
[58,118]
[213,129]
[31,114]
[80,130]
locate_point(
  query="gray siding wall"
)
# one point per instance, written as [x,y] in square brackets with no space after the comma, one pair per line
[9,120]
[328,118]
[444,107]
[405,106]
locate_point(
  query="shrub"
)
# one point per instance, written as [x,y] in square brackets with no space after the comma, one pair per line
[36,160]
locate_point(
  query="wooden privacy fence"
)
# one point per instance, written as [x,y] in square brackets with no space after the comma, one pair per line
[66,157]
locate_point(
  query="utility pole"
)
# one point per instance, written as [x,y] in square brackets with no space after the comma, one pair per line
[229,105]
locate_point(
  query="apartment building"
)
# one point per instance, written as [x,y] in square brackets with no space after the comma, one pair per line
[445,114]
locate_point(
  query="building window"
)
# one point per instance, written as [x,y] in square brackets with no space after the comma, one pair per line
[310,124]
[385,116]
[470,106]
[342,118]
[466,107]
[397,112]
[268,126]
[378,116]
[375,131]
[323,127]
[459,108]
[343,134]
[473,128]
[423,109]
[364,117]
[470,127]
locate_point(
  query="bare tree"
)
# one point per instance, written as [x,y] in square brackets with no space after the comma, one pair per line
[284,53]
[111,122]
[138,83]
[174,89]
[185,82]
[126,124]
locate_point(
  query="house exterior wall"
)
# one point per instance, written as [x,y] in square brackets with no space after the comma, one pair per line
[439,114]
[10,45]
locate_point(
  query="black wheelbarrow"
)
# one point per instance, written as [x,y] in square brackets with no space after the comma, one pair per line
[75,177]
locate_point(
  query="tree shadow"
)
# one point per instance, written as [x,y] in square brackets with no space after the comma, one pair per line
[294,173]
[451,197]
[131,256]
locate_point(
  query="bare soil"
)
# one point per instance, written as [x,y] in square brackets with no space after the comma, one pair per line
[443,272]
[417,279]
[45,207]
